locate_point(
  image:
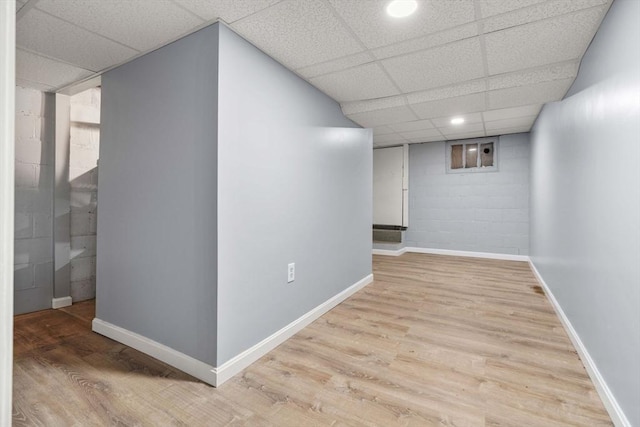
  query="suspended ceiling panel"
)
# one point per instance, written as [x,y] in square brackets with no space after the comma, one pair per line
[492,62]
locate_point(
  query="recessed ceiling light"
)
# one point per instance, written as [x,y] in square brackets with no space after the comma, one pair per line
[402,8]
[457,121]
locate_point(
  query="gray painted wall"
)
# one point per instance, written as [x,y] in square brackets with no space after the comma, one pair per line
[34,181]
[295,185]
[478,212]
[157,251]
[585,202]
[83,174]
[187,207]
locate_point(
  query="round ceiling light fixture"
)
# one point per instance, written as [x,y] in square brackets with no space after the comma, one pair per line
[457,121]
[402,8]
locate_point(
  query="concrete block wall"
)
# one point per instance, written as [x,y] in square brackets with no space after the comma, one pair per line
[478,212]
[83,178]
[34,181]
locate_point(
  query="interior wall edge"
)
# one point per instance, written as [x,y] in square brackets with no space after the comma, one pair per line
[7,156]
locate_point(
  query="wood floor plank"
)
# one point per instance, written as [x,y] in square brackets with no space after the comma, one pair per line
[433,341]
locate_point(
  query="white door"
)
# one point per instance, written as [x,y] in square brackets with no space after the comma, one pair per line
[387,186]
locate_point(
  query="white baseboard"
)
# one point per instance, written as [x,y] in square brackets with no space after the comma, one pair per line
[489,255]
[218,375]
[61,302]
[609,401]
[247,357]
[389,252]
[161,352]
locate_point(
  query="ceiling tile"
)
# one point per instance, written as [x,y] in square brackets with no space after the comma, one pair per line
[511,113]
[373,104]
[383,117]
[445,122]
[54,38]
[359,83]
[227,10]
[460,89]
[526,95]
[412,126]
[462,129]
[566,70]
[335,65]
[518,122]
[424,135]
[440,66]
[388,144]
[382,130]
[298,33]
[140,24]
[467,135]
[394,137]
[427,42]
[450,106]
[537,12]
[43,71]
[33,85]
[542,42]
[371,23]
[496,7]
[507,131]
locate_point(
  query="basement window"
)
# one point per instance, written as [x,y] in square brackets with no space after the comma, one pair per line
[473,155]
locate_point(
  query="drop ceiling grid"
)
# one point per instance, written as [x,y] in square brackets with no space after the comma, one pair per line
[57,38]
[46,72]
[140,25]
[298,34]
[227,10]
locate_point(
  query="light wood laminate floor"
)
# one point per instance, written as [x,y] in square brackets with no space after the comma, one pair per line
[434,341]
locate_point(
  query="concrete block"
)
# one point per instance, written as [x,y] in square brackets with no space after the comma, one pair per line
[22,225]
[28,127]
[83,158]
[83,246]
[42,225]
[515,215]
[33,251]
[85,113]
[29,151]
[25,175]
[23,277]
[80,224]
[83,201]
[516,241]
[82,269]
[45,175]
[28,101]
[492,215]
[82,178]
[43,275]
[82,290]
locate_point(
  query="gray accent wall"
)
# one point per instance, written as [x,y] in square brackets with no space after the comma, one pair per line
[585,203]
[477,212]
[157,218]
[34,184]
[218,168]
[295,186]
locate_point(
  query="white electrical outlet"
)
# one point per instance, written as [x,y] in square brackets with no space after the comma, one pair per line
[291,272]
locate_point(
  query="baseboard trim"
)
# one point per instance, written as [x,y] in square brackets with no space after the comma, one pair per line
[161,352]
[469,254]
[389,252]
[61,302]
[247,357]
[608,399]
[218,375]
